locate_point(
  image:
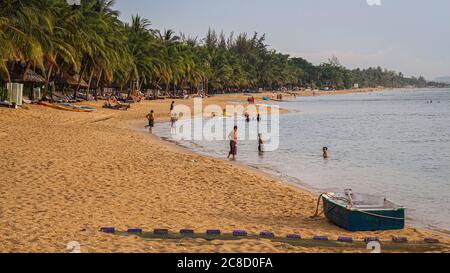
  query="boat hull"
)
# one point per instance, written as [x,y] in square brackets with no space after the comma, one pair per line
[355,220]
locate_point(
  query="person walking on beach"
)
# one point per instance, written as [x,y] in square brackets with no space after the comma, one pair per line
[151,120]
[172,106]
[325,152]
[233,143]
[258,117]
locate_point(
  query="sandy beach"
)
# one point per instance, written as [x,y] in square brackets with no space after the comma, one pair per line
[65,174]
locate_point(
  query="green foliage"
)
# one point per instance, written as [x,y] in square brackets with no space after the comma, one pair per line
[3,93]
[55,39]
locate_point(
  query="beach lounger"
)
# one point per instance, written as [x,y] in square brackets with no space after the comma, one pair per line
[8,104]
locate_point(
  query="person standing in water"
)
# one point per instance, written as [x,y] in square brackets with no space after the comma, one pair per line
[173,119]
[151,120]
[325,152]
[260,144]
[233,143]
[172,106]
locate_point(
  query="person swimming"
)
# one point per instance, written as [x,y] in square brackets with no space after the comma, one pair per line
[247,116]
[325,152]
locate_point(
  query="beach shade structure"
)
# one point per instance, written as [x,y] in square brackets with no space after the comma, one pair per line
[108,229]
[239,233]
[371,239]
[320,238]
[294,236]
[267,234]
[213,232]
[399,239]
[345,239]
[186,231]
[74,80]
[431,240]
[161,231]
[31,76]
[134,230]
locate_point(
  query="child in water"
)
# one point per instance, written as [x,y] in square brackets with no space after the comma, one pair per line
[325,152]
[151,120]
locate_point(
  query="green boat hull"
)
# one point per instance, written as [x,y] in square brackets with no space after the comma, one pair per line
[358,220]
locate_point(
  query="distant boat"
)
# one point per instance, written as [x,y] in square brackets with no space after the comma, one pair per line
[68,107]
[363,212]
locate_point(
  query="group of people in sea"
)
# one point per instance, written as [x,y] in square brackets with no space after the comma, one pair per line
[232,136]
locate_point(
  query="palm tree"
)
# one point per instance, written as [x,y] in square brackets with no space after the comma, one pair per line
[55,39]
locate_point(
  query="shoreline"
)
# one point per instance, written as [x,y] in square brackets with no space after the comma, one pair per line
[299,184]
[68,174]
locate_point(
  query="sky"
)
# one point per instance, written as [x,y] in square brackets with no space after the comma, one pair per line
[411,36]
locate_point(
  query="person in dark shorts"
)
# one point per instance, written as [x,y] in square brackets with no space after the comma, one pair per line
[233,143]
[260,144]
[151,120]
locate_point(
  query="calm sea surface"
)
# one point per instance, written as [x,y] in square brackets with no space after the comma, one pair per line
[391,143]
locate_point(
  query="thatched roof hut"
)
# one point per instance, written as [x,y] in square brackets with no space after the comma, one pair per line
[74,80]
[31,76]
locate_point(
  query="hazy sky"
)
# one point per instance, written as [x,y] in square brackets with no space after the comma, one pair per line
[412,36]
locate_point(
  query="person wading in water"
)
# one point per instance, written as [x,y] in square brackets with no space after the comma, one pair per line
[233,143]
[151,120]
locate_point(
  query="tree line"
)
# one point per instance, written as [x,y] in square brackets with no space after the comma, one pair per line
[55,40]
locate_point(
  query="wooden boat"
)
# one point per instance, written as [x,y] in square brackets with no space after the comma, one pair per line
[363,212]
[68,107]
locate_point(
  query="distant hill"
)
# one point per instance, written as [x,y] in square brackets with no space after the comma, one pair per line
[443,79]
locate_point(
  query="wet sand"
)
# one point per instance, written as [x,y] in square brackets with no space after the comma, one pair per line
[64,175]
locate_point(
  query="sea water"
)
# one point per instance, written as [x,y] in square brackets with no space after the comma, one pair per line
[390,143]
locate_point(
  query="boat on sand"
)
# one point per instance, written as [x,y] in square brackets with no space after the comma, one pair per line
[68,107]
[362,212]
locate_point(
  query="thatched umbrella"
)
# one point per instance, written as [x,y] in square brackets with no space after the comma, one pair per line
[31,76]
[74,80]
